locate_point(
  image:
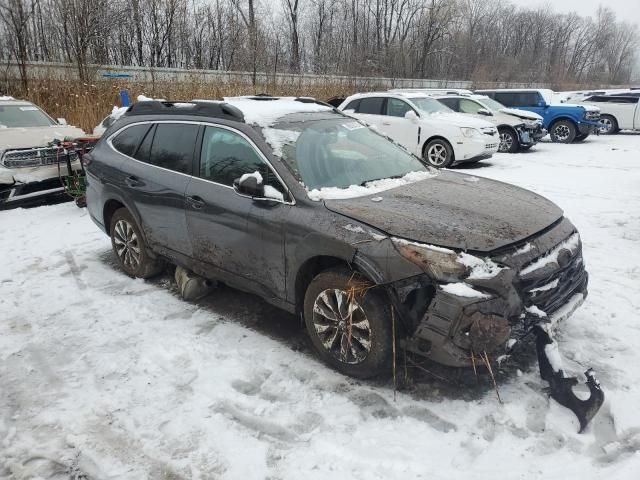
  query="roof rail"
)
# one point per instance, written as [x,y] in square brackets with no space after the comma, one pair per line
[205,108]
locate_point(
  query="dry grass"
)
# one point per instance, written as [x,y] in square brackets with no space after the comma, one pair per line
[85,105]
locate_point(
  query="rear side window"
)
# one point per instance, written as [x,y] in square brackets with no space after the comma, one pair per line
[397,108]
[518,99]
[372,105]
[452,103]
[128,140]
[173,145]
[508,99]
[226,156]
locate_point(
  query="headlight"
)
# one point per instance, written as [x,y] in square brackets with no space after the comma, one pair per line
[470,132]
[446,265]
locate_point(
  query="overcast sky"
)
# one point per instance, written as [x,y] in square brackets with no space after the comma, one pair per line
[625,9]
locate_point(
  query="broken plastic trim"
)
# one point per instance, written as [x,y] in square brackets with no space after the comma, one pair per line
[560,387]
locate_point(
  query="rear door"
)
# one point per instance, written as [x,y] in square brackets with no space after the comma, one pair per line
[236,238]
[156,177]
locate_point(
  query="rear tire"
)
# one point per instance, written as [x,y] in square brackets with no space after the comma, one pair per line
[563,131]
[352,336]
[508,140]
[129,246]
[608,125]
[438,153]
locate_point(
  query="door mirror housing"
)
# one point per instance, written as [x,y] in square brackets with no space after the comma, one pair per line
[411,115]
[61,121]
[485,112]
[250,184]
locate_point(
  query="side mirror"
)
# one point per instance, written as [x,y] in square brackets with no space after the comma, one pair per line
[250,184]
[542,104]
[61,121]
[411,115]
[484,111]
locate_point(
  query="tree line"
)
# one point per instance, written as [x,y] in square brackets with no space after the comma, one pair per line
[479,40]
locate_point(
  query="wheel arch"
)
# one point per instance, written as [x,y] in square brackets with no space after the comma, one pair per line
[320,263]
[561,118]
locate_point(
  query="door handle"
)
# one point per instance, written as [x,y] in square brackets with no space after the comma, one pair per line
[195,202]
[386,123]
[132,181]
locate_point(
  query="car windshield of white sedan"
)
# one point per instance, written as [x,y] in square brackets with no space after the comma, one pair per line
[430,105]
[491,104]
[21,116]
[341,158]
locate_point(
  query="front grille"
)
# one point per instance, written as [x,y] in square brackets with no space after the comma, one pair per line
[35,157]
[552,285]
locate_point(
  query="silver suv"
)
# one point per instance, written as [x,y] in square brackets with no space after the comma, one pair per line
[28,165]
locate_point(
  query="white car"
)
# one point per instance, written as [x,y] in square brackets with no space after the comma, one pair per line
[518,129]
[425,126]
[617,112]
[28,165]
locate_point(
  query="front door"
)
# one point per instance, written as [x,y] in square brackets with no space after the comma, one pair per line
[236,238]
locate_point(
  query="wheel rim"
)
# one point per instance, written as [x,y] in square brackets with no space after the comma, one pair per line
[126,244]
[506,142]
[437,154]
[342,326]
[605,125]
[562,132]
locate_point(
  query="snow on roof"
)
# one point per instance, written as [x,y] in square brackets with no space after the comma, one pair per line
[265,113]
[6,98]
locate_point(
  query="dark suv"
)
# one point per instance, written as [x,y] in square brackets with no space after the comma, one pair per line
[294,201]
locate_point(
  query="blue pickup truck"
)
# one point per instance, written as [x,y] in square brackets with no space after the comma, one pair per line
[565,122]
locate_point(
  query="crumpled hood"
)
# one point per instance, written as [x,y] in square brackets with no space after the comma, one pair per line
[454,210]
[462,120]
[521,113]
[35,136]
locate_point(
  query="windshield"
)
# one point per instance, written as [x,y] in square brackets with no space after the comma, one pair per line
[339,152]
[430,105]
[16,116]
[491,104]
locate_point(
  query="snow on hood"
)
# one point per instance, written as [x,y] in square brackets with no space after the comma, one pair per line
[461,120]
[376,186]
[588,108]
[33,137]
[265,113]
[521,113]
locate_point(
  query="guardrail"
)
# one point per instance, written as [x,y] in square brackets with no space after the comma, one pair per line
[67,71]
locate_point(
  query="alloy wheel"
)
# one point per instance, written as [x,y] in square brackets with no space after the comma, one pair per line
[437,154]
[342,326]
[126,243]
[506,142]
[606,125]
[562,132]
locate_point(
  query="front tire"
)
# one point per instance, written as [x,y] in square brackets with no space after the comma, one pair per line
[438,153]
[508,141]
[563,131]
[581,138]
[130,248]
[608,125]
[351,332]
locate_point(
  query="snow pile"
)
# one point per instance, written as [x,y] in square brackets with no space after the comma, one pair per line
[144,98]
[117,112]
[255,175]
[570,244]
[481,268]
[278,138]
[462,289]
[5,98]
[269,191]
[376,186]
[265,113]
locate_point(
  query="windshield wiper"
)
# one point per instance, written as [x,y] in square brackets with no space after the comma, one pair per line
[364,184]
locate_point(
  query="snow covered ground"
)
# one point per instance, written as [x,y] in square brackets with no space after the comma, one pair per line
[106,377]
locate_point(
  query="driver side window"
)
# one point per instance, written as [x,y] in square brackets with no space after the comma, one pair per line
[226,156]
[397,108]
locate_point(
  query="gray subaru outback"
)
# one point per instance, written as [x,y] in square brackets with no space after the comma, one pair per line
[292,200]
